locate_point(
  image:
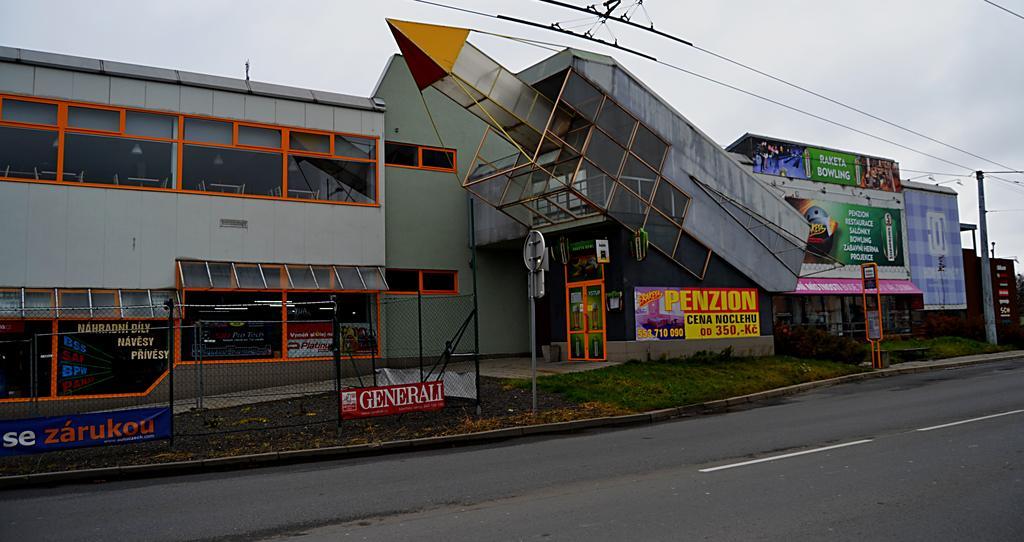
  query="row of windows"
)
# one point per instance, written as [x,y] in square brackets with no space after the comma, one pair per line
[83,303]
[255,276]
[411,281]
[63,142]
[418,156]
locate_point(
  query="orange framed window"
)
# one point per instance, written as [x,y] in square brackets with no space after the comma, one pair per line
[424,281]
[61,141]
[419,157]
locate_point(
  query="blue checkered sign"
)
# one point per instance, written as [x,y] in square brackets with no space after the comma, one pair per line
[936,260]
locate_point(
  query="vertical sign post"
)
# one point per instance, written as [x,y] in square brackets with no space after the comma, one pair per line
[872,315]
[535,256]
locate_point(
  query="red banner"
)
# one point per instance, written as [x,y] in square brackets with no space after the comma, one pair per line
[391,400]
[14,326]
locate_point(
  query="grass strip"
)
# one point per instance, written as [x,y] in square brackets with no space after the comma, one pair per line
[641,386]
[938,348]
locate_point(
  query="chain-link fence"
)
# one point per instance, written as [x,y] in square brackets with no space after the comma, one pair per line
[238,367]
[429,338]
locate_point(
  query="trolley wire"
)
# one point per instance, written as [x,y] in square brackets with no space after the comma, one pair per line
[1014,13]
[700,76]
[651,29]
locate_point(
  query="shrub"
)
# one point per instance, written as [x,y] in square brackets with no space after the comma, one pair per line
[944,325]
[805,342]
[1010,335]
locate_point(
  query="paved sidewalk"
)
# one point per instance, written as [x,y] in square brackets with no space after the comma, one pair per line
[509,368]
[520,367]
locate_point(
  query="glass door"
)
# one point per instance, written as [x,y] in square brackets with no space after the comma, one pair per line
[586,321]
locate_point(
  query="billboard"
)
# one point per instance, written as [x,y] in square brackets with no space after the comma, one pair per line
[933,248]
[662,313]
[104,356]
[850,234]
[798,161]
[390,400]
[35,435]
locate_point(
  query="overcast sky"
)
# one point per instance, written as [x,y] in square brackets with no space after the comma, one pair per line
[951,69]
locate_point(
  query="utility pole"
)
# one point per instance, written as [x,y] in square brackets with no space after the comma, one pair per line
[986,268]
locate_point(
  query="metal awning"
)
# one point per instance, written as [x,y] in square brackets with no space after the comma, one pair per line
[826,286]
[199,274]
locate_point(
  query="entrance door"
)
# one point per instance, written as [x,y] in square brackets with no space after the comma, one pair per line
[586,326]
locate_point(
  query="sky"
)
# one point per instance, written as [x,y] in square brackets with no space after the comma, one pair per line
[950,69]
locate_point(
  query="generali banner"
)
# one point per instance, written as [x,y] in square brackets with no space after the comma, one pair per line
[391,400]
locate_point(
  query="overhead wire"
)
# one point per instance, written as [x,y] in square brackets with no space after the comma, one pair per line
[710,79]
[615,45]
[748,67]
[1014,13]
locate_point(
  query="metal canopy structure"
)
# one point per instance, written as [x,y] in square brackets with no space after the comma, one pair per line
[583,154]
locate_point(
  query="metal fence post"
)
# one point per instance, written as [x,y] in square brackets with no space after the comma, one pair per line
[476,308]
[34,372]
[197,332]
[169,305]
[336,348]
[419,326]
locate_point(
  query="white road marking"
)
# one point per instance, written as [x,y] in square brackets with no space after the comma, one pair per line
[784,456]
[970,420]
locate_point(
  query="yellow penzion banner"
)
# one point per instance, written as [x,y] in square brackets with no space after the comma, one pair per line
[696,313]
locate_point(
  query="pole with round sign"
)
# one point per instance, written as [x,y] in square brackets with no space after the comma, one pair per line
[535,256]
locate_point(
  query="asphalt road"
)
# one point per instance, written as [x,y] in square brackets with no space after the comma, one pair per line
[756,474]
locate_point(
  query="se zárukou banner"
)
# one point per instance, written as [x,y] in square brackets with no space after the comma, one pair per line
[34,435]
[851,234]
[695,313]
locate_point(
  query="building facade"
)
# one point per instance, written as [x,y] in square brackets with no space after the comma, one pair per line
[124,186]
[660,243]
[855,207]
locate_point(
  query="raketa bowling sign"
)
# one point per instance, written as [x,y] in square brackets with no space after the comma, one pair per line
[390,400]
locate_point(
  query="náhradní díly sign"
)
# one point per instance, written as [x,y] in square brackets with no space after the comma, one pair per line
[390,400]
[104,356]
[33,435]
[695,313]
[851,234]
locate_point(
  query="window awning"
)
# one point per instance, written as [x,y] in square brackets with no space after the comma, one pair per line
[199,274]
[823,286]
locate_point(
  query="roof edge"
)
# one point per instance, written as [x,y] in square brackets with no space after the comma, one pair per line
[185,78]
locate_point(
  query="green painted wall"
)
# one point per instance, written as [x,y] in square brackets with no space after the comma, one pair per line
[427,215]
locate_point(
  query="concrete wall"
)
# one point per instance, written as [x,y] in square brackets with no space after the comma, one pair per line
[428,212]
[73,236]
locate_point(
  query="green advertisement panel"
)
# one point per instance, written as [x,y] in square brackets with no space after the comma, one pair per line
[851,234]
[832,167]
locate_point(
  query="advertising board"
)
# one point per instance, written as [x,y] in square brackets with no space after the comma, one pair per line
[390,400]
[583,264]
[933,248]
[237,340]
[313,339]
[34,435]
[797,161]
[850,234]
[832,167]
[104,356]
[664,313]
[309,339]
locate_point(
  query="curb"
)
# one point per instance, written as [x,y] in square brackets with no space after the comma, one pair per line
[154,470]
